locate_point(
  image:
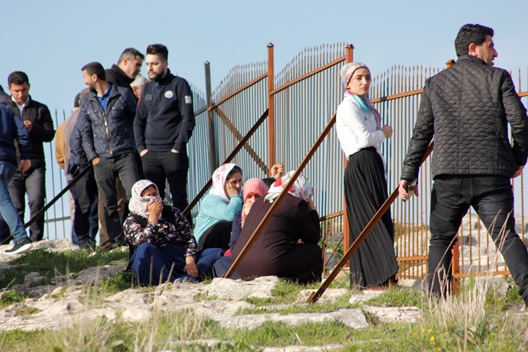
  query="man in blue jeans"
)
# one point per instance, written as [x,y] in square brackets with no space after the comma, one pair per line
[468,108]
[106,125]
[13,129]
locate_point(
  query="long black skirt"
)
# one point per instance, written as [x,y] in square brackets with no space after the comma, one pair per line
[374,263]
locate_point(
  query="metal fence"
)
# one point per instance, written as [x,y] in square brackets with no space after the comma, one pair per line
[301,99]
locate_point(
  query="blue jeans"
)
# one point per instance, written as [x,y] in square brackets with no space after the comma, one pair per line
[7,209]
[492,199]
[154,265]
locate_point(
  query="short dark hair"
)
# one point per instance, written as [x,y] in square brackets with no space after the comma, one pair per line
[160,50]
[95,68]
[471,33]
[130,53]
[233,171]
[17,77]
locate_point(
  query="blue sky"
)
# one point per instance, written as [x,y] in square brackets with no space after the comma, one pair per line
[52,40]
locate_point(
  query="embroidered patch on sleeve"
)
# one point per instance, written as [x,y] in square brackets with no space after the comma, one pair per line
[188,99]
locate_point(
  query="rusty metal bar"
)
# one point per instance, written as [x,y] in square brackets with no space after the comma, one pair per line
[232,128]
[331,216]
[412,258]
[236,92]
[397,96]
[271,107]
[349,57]
[366,231]
[309,74]
[267,216]
[228,159]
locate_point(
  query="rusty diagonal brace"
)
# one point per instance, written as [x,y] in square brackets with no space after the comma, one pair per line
[362,236]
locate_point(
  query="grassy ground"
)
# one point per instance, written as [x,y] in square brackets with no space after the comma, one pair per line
[476,320]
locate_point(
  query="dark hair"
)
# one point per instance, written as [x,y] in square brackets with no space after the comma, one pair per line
[268,181]
[17,77]
[158,49]
[95,68]
[233,171]
[471,33]
[130,53]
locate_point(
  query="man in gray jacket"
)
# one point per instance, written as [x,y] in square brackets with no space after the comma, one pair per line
[468,108]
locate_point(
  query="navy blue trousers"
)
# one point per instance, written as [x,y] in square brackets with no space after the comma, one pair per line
[154,265]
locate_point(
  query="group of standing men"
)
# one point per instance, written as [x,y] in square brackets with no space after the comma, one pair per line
[119,136]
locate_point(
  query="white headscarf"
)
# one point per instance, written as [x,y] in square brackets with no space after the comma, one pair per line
[301,188]
[138,204]
[219,179]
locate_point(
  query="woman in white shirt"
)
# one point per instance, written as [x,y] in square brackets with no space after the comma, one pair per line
[360,133]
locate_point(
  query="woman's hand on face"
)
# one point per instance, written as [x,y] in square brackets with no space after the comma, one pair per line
[311,205]
[231,191]
[387,131]
[155,208]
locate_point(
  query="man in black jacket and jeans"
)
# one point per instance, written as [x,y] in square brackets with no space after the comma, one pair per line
[164,123]
[37,119]
[468,108]
[106,126]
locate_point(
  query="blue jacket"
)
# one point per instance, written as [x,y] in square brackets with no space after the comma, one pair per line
[109,133]
[12,128]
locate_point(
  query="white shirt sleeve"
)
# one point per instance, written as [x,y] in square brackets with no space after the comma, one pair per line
[356,129]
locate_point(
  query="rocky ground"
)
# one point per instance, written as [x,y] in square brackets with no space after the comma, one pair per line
[61,305]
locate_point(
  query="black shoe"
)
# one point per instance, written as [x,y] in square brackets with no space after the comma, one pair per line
[20,247]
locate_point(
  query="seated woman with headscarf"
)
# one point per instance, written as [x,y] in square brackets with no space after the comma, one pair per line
[218,208]
[165,248]
[254,188]
[276,250]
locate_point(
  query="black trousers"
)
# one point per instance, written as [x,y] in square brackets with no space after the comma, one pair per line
[125,167]
[492,199]
[171,167]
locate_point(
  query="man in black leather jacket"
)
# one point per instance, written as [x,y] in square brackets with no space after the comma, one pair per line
[468,109]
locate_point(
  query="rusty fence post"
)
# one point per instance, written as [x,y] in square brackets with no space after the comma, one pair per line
[349,57]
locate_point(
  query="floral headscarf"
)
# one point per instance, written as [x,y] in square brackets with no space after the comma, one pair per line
[347,71]
[302,188]
[138,204]
[219,179]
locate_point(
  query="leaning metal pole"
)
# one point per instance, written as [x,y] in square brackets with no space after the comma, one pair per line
[277,201]
[362,236]
[61,193]
[235,151]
